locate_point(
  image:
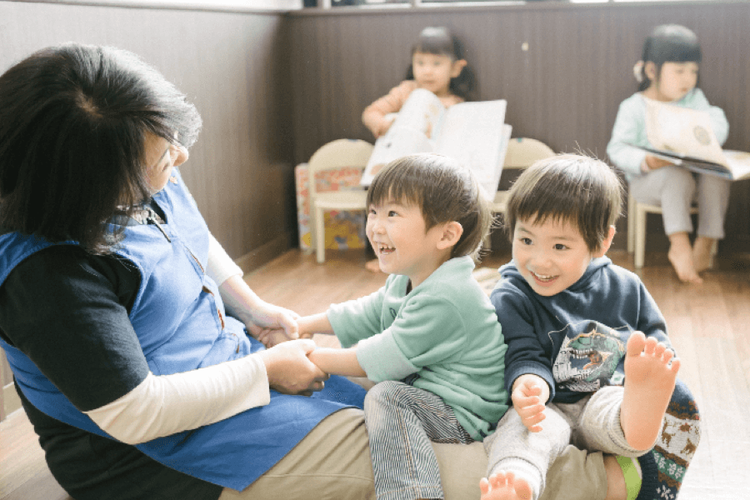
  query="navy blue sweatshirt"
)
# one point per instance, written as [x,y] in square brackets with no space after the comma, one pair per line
[575,340]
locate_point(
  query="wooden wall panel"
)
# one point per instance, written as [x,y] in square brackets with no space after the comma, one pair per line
[564,90]
[233,67]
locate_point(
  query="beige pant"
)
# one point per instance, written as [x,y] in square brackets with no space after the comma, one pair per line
[333,462]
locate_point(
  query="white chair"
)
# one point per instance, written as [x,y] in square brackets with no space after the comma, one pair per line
[334,155]
[522,153]
[637,214]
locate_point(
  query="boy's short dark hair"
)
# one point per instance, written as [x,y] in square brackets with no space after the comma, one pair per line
[73,124]
[443,189]
[583,191]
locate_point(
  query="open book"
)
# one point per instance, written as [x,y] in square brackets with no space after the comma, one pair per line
[474,133]
[684,137]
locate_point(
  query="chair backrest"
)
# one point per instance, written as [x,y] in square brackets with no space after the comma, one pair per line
[338,154]
[524,151]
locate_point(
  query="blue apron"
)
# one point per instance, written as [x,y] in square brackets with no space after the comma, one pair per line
[180,321]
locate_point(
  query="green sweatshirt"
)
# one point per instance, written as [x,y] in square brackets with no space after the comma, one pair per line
[445,331]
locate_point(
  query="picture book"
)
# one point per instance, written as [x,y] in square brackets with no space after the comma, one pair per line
[684,137]
[472,132]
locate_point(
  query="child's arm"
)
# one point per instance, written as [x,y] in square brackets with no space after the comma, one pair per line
[529,396]
[337,361]
[630,128]
[375,115]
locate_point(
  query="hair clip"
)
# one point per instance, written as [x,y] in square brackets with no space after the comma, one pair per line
[638,71]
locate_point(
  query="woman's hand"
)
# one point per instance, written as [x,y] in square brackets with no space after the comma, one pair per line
[529,399]
[267,318]
[289,369]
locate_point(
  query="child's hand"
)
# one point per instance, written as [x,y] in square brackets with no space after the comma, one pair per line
[654,163]
[383,126]
[528,402]
[270,337]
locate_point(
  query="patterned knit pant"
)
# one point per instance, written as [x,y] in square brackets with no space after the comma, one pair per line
[401,421]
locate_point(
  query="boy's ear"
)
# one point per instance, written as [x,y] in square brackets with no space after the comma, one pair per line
[649,69]
[458,67]
[452,232]
[604,246]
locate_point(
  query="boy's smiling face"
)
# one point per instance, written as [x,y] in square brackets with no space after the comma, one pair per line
[403,245]
[553,255]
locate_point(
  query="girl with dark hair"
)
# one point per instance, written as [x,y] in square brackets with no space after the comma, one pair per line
[438,64]
[668,72]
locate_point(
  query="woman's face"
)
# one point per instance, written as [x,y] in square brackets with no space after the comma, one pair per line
[161,156]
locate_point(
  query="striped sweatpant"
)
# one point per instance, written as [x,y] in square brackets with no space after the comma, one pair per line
[401,421]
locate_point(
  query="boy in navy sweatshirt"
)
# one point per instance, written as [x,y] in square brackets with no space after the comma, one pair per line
[588,359]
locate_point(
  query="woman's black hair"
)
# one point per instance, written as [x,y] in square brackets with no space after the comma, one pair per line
[669,43]
[440,41]
[73,123]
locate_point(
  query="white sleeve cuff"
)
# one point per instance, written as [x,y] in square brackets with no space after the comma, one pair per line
[167,404]
[220,265]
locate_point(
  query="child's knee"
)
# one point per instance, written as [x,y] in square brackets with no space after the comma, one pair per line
[385,393]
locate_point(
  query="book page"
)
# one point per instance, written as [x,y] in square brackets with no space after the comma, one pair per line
[683,131]
[474,133]
[403,141]
[739,163]
[411,132]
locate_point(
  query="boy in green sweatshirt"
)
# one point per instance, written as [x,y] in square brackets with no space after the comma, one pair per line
[430,337]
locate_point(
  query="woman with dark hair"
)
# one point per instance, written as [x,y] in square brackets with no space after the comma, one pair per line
[113,293]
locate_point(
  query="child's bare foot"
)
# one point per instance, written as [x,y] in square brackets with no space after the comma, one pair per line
[505,486]
[649,383]
[702,253]
[681,256]
[373,266]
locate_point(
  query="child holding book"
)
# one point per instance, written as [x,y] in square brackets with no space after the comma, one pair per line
[668,72]
[437,65]
[430,337]
[588,360]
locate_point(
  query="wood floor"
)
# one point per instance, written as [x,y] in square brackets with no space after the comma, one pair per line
[709,326]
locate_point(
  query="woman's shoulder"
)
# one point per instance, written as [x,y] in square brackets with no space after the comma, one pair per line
[70,267]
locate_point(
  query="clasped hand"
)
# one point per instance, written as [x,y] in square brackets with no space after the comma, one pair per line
[289,369]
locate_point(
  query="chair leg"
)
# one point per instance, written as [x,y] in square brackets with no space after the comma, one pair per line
[714,251]
[320,235]
[640,237]
[632,207]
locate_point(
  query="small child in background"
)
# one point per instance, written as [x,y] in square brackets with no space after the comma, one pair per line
[588,354]
[668,72]
[437,65]
[430,337]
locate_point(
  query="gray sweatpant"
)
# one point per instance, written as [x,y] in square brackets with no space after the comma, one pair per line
[593,424]
[675,189]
